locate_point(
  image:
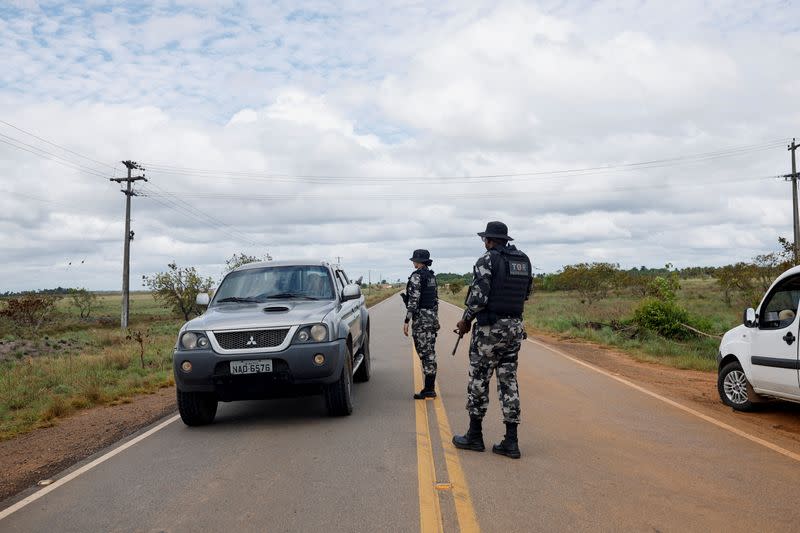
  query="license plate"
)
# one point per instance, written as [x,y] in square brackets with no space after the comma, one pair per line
[257,366]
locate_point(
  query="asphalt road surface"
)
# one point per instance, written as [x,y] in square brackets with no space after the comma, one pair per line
[598,455]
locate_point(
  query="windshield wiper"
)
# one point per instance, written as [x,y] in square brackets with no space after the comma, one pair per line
[240,300]
[290,295]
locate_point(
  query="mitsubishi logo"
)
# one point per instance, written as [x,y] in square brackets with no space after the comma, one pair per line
[251,342]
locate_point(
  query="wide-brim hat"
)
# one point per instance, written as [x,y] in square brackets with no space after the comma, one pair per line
[496,230]
[421,256]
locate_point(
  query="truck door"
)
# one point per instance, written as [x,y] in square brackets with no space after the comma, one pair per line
[774,357]
[351,311]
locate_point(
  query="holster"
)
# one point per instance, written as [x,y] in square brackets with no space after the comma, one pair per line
[404,296]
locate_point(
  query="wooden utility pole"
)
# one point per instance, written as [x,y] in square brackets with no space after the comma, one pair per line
[126,261]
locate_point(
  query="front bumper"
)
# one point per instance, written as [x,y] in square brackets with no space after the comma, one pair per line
[293,367]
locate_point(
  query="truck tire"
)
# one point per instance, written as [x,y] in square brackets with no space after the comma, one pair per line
[734,389]
[338,395]
[197,408]
[364,371]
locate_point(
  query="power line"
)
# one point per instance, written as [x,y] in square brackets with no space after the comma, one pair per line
[655,163]
[448,195]
[56,145]
[35,150]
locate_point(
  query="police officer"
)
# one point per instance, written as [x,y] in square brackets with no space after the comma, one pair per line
[501,283]
[422,303]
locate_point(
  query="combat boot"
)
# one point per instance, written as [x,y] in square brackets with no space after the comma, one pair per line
[510,445]
[429,390]
[473,438]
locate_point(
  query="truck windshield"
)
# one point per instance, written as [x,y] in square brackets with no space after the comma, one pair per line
[272,283]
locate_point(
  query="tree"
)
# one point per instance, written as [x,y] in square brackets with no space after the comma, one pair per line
[84,300]
[178,288]
[241,258]
[734,279]
[456,286]
[593,281]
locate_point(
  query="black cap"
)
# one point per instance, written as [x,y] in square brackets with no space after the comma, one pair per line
[421,256]
[496,230]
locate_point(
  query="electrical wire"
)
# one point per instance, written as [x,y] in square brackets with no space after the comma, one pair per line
[371,179]
[57,145]
[15,143]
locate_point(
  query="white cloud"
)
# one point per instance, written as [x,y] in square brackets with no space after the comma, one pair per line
[385,91]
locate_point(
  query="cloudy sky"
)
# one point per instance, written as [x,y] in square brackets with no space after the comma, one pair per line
[630,131]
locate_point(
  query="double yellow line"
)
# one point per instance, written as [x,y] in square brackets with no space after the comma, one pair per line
[430,513]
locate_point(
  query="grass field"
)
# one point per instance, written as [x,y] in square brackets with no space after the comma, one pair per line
[73,364]
[564,314]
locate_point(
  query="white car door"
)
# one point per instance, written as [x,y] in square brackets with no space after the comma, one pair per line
[774,356]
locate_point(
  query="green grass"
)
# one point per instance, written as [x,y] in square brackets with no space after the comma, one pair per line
[563,313]
[375,295]
[72,363]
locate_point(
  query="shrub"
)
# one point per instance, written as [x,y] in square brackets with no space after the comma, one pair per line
[84,301]
[30,311]
[663,317]
[455,287]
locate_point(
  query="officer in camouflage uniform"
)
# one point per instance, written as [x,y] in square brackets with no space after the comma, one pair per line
[501,283]
[422,304]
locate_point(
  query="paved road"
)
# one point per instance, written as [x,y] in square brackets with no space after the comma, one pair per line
[597,455]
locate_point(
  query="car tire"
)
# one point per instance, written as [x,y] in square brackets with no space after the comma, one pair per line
[364,371]
[338,395]
[734,389]
[197,408]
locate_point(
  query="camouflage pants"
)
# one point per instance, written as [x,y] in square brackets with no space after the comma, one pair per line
[495,348]
[423,331]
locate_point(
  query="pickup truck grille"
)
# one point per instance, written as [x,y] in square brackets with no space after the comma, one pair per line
[251,340]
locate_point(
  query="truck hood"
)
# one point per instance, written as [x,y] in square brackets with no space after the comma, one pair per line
[263,315]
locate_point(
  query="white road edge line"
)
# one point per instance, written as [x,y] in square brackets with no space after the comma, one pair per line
[673,403]
[85,468]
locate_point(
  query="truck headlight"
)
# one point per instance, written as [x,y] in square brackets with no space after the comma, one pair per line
[191,340]
[313,333]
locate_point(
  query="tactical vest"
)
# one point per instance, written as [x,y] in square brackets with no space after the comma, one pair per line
[428,297]
[511,279]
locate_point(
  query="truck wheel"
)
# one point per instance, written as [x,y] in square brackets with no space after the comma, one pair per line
[365,370]
[734,389]
[337,395]
[197,408]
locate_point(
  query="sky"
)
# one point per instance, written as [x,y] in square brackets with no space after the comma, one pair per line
[633,132]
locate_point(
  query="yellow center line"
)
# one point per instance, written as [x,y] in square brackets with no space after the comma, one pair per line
[467,520]
[430,514]
[429,507]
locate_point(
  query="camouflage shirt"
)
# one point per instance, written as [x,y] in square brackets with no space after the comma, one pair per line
[414,293]
[478,294]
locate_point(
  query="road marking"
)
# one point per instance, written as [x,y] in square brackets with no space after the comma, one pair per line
[465,511]
[85,468]
[727,427]
[430,514]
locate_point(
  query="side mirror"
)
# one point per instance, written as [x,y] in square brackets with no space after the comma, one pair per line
[750,317]
[202,299]
[351,292]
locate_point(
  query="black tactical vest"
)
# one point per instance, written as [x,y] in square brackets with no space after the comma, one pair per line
[511,279]
[428,296]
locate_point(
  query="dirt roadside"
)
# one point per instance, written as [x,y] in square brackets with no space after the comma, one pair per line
[35,456]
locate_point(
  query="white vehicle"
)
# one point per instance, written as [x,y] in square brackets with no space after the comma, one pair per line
[760,358]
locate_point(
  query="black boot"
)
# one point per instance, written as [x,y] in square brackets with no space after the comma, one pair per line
[510,445]
[473,439]
[429,391]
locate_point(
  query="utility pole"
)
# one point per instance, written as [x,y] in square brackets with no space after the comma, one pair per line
[128,237]
[793,177]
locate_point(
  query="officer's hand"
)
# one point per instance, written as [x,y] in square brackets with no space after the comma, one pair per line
[405,329]
[463,327]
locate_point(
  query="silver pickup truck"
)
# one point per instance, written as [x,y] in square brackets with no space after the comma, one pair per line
[278,328]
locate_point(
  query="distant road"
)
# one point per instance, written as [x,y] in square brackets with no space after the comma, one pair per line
[597,455]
